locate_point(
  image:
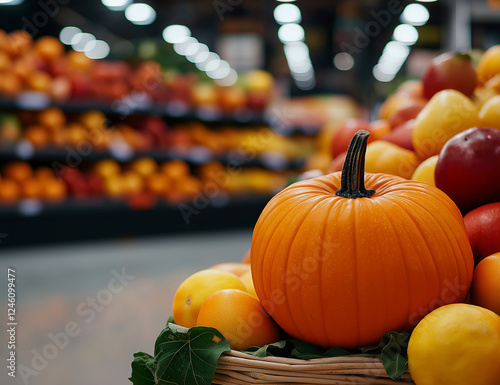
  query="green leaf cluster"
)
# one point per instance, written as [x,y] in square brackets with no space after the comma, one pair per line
[189,356]
[182,357]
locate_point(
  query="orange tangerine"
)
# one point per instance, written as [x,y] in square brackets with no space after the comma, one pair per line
[240,318]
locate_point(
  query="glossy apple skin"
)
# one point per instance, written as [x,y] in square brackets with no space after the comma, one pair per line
[402,135]
[450,71]
[483,229]
[468,169]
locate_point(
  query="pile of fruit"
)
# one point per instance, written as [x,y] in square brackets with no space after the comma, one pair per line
[45,66]
[340,260]
[52,127]
[142,182]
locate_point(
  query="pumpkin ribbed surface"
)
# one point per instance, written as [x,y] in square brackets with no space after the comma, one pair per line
[337,271]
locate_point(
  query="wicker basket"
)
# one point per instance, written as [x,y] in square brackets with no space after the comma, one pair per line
[237,368]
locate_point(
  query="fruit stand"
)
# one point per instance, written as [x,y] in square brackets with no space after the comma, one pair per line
[368,275]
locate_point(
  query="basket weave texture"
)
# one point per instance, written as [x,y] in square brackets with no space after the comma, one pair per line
[237,368]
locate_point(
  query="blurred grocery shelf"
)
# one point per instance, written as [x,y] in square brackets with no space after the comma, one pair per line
[32,222]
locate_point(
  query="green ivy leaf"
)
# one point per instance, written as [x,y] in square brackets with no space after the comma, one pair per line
[187,356]
[142,369]
[306,351]
[281,349]
[394,353]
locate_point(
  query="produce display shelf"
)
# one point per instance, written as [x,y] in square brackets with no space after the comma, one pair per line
[32,222]
[23,150]
[172,111]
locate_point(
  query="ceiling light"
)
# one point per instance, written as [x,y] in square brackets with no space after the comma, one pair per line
[202,65]
[221,71]
[415,14]
[290,33]
[229,80]
[182,48]
[343,61]
[396,49]
[140,14]
[301,67]
[80,40]
[287,13]
[193,55]
[96,49]
[296,51]
[406,34]
[176,33]
[116,5]
[201,56]
[382,76]
[10,2]
[68,33]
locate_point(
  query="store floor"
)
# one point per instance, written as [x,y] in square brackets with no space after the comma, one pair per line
[84,309]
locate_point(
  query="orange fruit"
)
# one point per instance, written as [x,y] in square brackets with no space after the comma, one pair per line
[9,191]
[53,189]
[195,289]
[158,184]
[44,173]
[240,318]
[489,64]
[31,188]
[107,168]
[455,345]
[485,290]
[49,47]
[379,128]
[237,268]
[425,171]
[114,186]
[248,282]
[489,115]
[18,171]
[132,182]
[52,118]
[37,135]
[175,169]
[144,166]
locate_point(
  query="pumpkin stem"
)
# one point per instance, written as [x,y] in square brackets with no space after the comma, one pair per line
[352,182]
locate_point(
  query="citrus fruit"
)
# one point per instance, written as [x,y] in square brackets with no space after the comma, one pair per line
[485,290]
[237,268]
[195,289]
[455,345]
[489,115]
[240,318]
[425,171]
[489,64]
[248,282]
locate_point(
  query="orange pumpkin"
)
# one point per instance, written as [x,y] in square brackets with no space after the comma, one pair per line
[336,264]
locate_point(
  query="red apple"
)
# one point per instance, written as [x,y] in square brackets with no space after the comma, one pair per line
[468,169]
[344,134]
[407,112]
[483,229]
[402,135]
[450,71]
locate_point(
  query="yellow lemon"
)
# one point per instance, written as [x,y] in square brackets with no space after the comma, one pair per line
[457,344]
[195,289]
[248,282]
[425,171]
